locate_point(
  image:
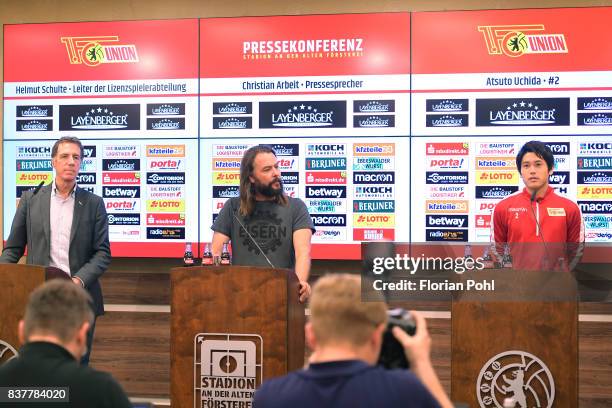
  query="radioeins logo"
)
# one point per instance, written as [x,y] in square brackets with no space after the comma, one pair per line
[95,50]
[518,40]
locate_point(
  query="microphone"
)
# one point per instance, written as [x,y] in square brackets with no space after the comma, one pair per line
[541,232]
[38,187]
[253,239]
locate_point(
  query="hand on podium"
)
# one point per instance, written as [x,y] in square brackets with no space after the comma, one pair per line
[304,291]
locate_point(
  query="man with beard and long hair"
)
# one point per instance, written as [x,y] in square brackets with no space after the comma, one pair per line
[264,219]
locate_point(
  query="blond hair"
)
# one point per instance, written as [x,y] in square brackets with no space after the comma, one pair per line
[337,313]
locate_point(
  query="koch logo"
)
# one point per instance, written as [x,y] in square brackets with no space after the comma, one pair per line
[306,114]
[232,108]
[165,123]
[446,177]
[495,192]
[447,149]
[165,233]
[595,119]
[89,151]
[225,192]
[34,152]
[373,163]
[86,178]
[522,112]
[447,105]
[595,207]
[166,164]
[121,151]
[34,125]
[374,106]
[557,148]
[373,206]
[594,177]
[447,163]
[38,111]
[326,150]
[241,122]
[99,117]
[88,164]
[165,109]
[166,178]
[326,164]
[33,165]
[290,177]
[559,177]
[373,192]
[447,120]
[285,149]
[596,148]
[123,219]
[599,103]
[497,149]
[287,163]
[371,177]
[121,164]
[338,220]
[122,205]
[374,121]
[325,192]
[561,190]
[455,221]
[115,178]
[447,235]
[120,192]
[595,163]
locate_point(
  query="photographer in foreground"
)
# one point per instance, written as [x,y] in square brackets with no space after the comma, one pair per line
[346,336]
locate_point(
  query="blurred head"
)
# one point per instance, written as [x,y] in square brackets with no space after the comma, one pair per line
[66,157]
[58,311]
[260,178]
[535,162]
[339,317]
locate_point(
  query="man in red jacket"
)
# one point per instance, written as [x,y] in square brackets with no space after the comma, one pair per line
[543,230]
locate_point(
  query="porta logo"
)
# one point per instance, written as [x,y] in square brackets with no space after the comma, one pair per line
[93,51]
[517,40]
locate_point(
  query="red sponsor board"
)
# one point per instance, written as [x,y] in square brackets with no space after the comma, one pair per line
[166,219]
[120,177]
[326,177]
[343,44]
[447,149]
[528,40]
[373,234]
[101,50]
[482,221]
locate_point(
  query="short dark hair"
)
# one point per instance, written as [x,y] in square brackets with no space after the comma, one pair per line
[58,307]
[66,139]
[540,149]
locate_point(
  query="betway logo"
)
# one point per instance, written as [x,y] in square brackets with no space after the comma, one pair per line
[120,192]
[446,221]
[325,192]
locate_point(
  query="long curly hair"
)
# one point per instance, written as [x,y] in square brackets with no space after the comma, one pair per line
[247,188]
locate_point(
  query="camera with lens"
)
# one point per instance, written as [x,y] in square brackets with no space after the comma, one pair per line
[392,353]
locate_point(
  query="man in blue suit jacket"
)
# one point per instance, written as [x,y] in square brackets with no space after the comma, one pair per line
[64,226]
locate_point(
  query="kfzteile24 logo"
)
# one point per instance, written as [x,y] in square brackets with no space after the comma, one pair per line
[93,51]
[516,40]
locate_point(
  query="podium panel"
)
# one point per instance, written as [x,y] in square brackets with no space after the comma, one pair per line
[231,328]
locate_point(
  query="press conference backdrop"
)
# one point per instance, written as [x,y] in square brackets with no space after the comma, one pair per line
[390,126]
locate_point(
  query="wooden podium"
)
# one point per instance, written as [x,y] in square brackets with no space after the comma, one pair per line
[231,328]
[17,282]
[522,345]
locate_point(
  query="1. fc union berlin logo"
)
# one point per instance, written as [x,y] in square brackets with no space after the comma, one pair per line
[93,51]
[517,40]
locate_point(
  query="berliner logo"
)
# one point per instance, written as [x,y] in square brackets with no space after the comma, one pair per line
[518,375]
